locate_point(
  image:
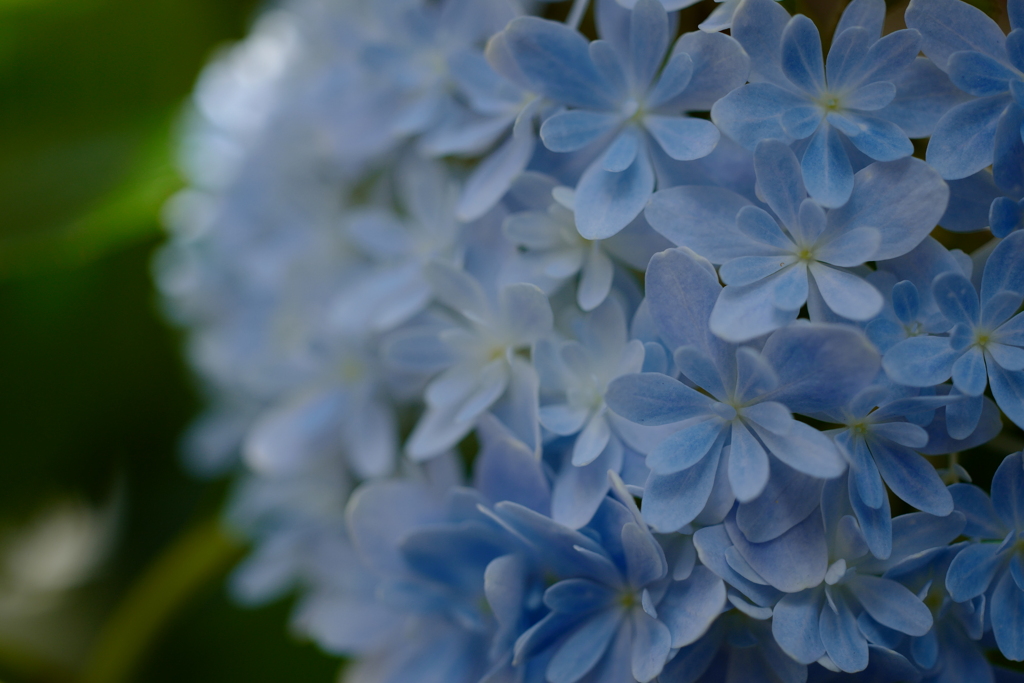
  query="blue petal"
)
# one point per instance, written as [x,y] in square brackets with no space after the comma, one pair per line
[906,301]
[957,299]
[1004,216]
[795,625]
[982,519]
[1004,270]
[648,40]
[701,218]
[978,74]
[672,501]
[1008,155]
[1008,618]
[912,478]
[744,313]
[846,57]
[963,140]
[923,94]
[875,137]
[846,294]
[754,113]
[972,570]
[569,131]
[682,288]
[653,399]
[623,150]
[867,14]
[842,639]
[902,199]
[493,176]
[779,179]
[606,202]
[871,97]
[792,562]
[645,560]
[863,472]
[949,26]
[805,449]
[749,269]
[674,79]
[688,446]
[584,647]
[578,491]
[1008,491]
[801,55]
[760,227]
[826,168]
[891,604]
[651,645]
[820,367]
[787,500]
[556,62]
[890,55]
[963,416]
[683,138]
[920,361]
[719,66]
[790,289]
[577,596]
[689,607]
[758,25]
[969,375]
[755,378]
[748,464]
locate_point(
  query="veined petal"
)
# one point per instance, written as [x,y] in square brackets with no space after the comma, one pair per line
[963,140]
[654,399]
[683,138]
[801,55]
[623,150]
[748,464]
[979,74]
[826,168]
[852,248]
[879,139]
[671,501]
[949,26]
[569,131]
[688,446]
[606,202]
[847,294]
[749,269]
[920,361]
[754,112]
[779,179]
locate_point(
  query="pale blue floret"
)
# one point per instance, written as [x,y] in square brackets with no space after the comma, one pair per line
[621,101]
[833,617]
[795,95]
[395,286]
[745,410]
[477,353]
[574,376]
[882,443]
[622,602]
[985,345]
[982,61]
[995,566]
[774,266]
[555,250]
[905,282]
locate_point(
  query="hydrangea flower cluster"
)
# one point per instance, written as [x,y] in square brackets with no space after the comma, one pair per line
[545,356]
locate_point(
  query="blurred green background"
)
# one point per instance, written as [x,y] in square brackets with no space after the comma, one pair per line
[93,392]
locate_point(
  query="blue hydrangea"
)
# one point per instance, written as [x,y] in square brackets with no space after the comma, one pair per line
[526,374]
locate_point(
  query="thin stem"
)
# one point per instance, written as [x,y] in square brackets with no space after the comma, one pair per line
[197,558]
[579,8]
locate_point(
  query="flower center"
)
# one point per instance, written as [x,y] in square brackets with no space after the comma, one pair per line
[830,102]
